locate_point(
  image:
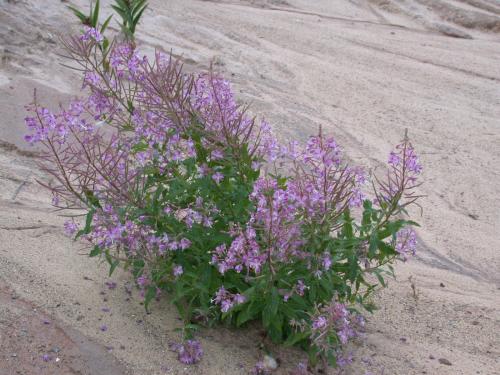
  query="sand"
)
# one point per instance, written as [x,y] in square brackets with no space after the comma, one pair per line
[365,71]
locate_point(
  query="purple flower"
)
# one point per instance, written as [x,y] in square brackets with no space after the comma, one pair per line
[142,281]
[344,359]
[46,358]
[394,159]
[203,169]
[207,222]
[55,200]
[217,154]
[239,298]
[184,243]
[177,271]
[70,227]
[406,242]
[217,177]
[227,300]
[91,78]
[111,285]
[326,261]
[319,323]
[190,352]
[103,328]
[300,287]
[226,305]
[259,369]
[91,34]
[404,170]
[301,369]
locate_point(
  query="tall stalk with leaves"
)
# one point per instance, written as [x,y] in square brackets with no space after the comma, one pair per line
[179,185]
[130,12]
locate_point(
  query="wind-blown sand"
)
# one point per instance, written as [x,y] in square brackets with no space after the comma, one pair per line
[365,71]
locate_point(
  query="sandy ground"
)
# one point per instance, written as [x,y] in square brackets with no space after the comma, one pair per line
[365,71]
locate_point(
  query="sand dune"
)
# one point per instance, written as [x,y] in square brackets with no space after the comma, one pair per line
[365,71]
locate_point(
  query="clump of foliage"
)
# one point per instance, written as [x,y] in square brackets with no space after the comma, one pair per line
[130,12]
[179,185]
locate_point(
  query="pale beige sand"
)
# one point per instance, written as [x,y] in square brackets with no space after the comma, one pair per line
[365,71]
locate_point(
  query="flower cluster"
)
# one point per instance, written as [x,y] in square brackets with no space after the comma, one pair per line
[333,321]
[321,189]
[406,242]
[92,34]
[335,316]
[189,352]
[227,300]
[191,194]
[402,177]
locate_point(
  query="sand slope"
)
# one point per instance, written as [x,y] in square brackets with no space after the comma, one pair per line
[365,71]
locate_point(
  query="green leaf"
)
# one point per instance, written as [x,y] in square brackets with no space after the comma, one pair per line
[248,313]
[105,44]
[373,244]
[83,18]
[296,337]
[271,308]
[385,249]
[379,277]
[92,200]
[148,297]
[275,330]
[105,24]
[88,224]
[95,16]
[138,16]
[113,266]
[95,251]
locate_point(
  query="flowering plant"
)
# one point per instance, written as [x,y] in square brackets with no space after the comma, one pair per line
[182,187]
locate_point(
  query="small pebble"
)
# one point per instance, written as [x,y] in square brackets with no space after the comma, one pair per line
[444,361]
[269,363]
